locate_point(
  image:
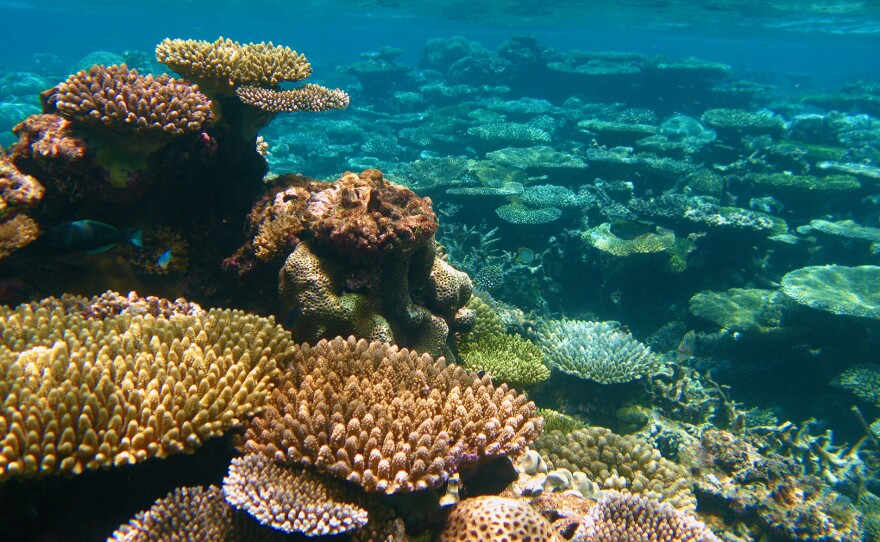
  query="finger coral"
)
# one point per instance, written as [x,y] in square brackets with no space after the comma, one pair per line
[120,100]
[599,351]
[291,499]
[389,420]
[224,64]
[309,97]
[621,516]
[619,462]
[84,393]
[496,518]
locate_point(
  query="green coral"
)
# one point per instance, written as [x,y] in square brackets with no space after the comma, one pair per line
[788,183]
[837,289]
[507,358]
[743,121]
[741,309]
[862,380]
[603,239]
[842,228]
[557,421]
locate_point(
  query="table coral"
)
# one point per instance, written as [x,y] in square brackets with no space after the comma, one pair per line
[389,420]
[741,309]
[838,289]
[187,513]
[85,393]
[599,351]
[310,97]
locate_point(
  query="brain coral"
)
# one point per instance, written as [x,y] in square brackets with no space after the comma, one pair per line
[622,516]
[224,64]
[619,462]
[599,351]
[837,289]
[389,420]
[291,499]
[87,393]
[498,519]
[118,99]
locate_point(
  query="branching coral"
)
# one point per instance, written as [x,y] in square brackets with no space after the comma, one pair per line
[619,462]
[84,393]
[621,516]
[187,513]
[389,420]
[599,351]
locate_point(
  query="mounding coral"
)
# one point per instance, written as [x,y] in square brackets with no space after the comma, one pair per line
[85,393]
[386,419]
[496,518]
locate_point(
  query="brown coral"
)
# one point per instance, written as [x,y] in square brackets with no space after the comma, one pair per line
[17,190]
[224,64]
[622,516]
[309,97]
[291,499]
[498,519]
[15,233]
[619,462]
[363,215]
[187,513]
[120,100]
[387,419]
[85,393]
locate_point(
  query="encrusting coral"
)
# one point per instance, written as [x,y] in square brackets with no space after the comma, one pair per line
[291,499]
[84,393]
[619,462]
[496,518]
[389,420]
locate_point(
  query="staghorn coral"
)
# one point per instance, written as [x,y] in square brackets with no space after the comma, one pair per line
[506,358]
[387,419]
[222,65]
[364,215]
[496,518]
[84,393]
[292,499]
[599,351]
[119,100]
[619,462]
[837,289]
[309,97]
[622,516]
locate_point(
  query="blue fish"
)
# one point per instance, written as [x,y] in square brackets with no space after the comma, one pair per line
[164,259]
[90,236]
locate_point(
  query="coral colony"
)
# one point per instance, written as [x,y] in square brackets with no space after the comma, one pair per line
[470,248]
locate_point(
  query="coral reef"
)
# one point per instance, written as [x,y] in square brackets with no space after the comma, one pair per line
[388,420]
[84,393]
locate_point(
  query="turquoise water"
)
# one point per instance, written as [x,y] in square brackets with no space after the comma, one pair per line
[671,208]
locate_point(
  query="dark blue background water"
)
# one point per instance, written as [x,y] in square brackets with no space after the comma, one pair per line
[749,38]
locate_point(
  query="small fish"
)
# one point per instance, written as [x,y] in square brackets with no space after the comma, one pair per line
[164,259]
[90,236]
[687,346]
[631,229]
[525,255]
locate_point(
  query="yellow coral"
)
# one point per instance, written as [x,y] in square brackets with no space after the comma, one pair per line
[83,393]
[222,65]
[507,358]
